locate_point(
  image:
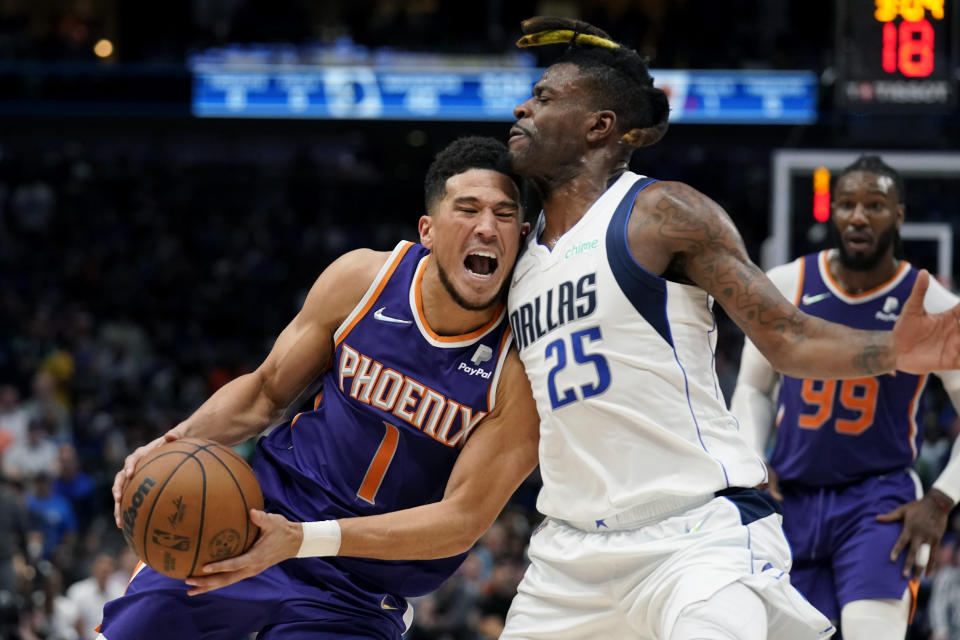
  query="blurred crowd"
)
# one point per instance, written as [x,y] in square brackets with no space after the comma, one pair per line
[135,284]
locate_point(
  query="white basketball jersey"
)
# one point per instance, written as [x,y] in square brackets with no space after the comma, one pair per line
[622,366]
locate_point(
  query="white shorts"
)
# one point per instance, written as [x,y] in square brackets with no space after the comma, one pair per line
[633,583]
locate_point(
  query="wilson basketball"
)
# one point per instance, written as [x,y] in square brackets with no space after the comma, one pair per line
[188,504]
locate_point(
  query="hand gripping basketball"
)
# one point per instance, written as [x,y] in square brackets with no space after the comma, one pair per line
[188,504]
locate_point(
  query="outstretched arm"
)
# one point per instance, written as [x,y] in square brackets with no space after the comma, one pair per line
[247,405]
[702,243]
[498,456]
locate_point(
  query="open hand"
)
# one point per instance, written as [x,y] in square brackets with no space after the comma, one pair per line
[925,342]
[279,540]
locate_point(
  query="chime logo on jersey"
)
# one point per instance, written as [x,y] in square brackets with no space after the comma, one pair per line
[554,308]
[580,248]
[370,382]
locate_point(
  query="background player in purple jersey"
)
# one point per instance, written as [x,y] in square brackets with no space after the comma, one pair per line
[844,449]
[425,427]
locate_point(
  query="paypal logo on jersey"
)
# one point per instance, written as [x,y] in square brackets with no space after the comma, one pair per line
[889,313]
[474,371]
[481,355]
[554,308]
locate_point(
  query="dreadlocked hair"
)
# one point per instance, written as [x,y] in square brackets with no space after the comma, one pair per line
[463,154]
[620,77]
[874,164]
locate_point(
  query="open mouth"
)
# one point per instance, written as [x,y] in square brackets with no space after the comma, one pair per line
[858,241]
[481,263]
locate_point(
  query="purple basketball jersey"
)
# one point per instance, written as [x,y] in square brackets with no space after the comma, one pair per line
[834,432]
[398,403]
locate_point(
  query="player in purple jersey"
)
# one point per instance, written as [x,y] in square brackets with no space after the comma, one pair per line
[424,428]
[842,462]
[573,139]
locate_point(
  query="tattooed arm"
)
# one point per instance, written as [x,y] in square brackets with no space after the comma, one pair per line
[679,233]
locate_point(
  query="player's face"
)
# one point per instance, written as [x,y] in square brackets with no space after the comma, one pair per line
[866,216]
[550,131]
[474,236]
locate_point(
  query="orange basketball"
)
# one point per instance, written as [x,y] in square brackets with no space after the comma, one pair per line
[187,504]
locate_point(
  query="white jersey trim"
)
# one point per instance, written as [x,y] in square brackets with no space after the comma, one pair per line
[501,358]
[388,268]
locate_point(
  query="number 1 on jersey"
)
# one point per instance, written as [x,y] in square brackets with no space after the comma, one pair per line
[373,478]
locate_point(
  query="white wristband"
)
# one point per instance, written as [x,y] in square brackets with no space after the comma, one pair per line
[319,539]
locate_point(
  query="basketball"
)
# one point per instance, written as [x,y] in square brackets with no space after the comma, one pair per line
[188,504]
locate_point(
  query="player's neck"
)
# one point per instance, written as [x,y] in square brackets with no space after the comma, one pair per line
[566,201]
[450,319]
[855,281]
[444,316]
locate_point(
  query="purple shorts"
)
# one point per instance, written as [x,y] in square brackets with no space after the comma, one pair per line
[840,552]
[295,600]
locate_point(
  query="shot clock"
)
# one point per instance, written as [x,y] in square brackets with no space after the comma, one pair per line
[897,55]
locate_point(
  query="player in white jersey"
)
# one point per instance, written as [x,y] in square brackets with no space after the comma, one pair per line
[652,529]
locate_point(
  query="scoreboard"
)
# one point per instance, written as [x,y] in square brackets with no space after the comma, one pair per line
[265,82]
[897,55]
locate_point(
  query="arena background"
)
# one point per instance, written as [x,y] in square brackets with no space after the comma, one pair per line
[174,176]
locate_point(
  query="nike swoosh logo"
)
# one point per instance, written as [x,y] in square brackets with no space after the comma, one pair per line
[378,315]
[808,299]
[388,607]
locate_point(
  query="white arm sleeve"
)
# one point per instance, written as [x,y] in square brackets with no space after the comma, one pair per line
[939,299]
[753,403]
[949,479]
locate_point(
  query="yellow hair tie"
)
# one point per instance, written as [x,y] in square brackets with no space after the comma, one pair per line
[560,36]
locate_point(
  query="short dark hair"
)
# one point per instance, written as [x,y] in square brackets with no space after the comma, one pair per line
[874,164]
[463,154]
[621,82]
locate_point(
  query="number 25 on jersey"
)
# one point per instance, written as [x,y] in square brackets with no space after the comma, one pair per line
[558,349]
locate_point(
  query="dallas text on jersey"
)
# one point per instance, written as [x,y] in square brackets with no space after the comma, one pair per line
[558,306]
